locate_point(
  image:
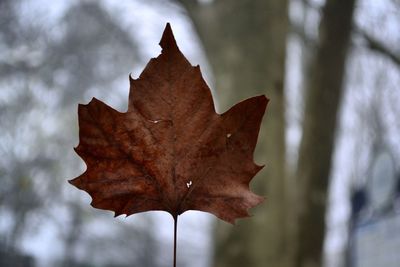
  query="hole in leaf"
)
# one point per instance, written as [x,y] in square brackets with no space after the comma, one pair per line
[228,135]
[188,184]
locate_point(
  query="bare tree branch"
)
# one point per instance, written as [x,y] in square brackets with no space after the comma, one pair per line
[378,46]
[372,43]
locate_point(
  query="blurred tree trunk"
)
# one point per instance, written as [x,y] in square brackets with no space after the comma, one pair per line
[322,99]
[245,42]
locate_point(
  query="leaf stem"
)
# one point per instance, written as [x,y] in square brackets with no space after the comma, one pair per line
[175,235]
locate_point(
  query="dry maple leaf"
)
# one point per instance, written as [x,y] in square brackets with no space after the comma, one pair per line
[170,151]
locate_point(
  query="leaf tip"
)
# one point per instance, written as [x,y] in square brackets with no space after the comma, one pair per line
[259,167]
[168,39]
[260,199]
[264,100]
[83,106]
[94,101]
[75,182]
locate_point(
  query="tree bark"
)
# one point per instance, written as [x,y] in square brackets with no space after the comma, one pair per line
[245,42]
[323,96]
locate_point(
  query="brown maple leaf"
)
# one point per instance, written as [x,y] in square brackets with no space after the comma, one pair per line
[170,151]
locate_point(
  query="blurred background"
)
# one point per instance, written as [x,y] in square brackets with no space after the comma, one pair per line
[330,139]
